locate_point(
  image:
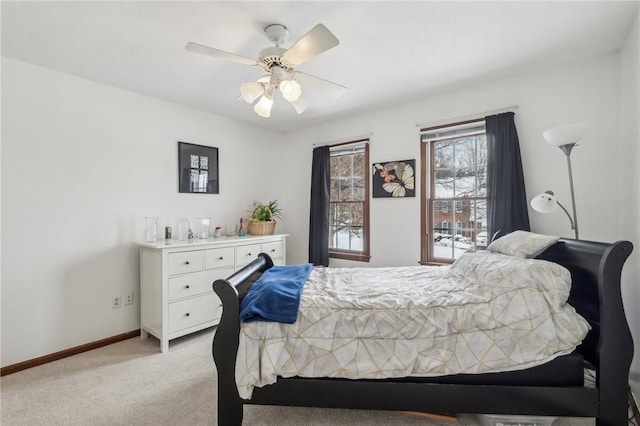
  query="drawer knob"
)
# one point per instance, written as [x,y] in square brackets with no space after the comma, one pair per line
[186,287]
[220,258]
[273,250]
[186,263]
[248,254]
[187,314]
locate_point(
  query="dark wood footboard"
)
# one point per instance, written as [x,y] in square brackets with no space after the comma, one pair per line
[225,342]
[595,269]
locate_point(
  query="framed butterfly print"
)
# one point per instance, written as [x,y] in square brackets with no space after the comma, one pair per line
[394,179]
[198,169]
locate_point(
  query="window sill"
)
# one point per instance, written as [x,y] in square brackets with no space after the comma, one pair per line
[436,263]
[358,257]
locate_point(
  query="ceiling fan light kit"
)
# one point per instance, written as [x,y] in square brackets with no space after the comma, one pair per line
[300,105]
[291,90]
[251,91]
[279,63]
[263,106]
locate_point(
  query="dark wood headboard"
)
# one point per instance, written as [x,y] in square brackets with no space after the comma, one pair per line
[595,291]
[596,294]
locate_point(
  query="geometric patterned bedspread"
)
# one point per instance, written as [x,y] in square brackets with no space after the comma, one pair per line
[487,312]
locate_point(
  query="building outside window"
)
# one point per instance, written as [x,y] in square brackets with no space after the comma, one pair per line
[443,229]
[456,160]
[349,201]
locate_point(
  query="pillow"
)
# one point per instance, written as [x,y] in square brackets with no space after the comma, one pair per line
[522,244]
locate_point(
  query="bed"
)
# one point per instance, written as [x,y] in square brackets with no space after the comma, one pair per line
[554,388]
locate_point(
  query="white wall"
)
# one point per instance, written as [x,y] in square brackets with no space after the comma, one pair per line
[82,165]
[630,154]
[604,164]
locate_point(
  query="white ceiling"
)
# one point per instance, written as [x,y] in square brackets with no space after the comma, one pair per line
[389,52]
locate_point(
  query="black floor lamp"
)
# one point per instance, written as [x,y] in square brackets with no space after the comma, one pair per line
[565,138]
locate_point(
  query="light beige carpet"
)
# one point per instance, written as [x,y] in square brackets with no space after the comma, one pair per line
[132,383]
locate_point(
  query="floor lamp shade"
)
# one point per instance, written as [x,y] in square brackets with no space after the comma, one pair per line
[567,134]
[564,137]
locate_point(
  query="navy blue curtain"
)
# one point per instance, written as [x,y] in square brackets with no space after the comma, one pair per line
[506,195]
[319,214]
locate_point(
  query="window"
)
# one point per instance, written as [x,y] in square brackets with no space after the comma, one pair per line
[349,201]
[455,176]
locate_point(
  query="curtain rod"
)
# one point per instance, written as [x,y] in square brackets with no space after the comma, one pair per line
[468,117]
[344,140]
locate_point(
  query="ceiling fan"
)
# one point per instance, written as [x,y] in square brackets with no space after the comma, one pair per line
[280,63]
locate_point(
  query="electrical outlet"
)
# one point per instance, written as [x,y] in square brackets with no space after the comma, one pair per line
[129,299]
[116,302]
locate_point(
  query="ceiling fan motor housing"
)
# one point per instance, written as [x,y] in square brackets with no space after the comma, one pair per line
[272,56]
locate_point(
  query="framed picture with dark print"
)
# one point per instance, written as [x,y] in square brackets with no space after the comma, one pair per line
[394,179]
[198,169]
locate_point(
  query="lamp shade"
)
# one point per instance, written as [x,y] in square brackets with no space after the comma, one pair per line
[291,90]
[563,135]
[263,107]
[545,202]
[300,105]
[251,91]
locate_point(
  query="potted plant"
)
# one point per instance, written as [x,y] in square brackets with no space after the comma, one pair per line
[263,217]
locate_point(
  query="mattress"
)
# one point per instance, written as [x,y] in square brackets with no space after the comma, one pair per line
[485,313]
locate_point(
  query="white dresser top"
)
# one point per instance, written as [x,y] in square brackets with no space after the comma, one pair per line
[212,241]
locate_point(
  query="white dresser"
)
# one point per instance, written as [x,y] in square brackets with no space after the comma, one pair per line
[176,293]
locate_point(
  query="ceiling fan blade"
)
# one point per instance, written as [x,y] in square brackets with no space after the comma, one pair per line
[325,86]
[216,53]
[316,41]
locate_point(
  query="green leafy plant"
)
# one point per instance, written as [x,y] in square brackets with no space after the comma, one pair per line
[265,212]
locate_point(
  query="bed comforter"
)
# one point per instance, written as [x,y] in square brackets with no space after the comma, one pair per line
[485,313]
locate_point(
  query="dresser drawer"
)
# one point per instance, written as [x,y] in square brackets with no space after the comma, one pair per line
[247,253]
[185,262]
[223,257]
[192,312]
[196,283]
[274,249]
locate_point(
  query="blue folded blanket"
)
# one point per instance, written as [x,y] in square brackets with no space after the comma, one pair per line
[275,296]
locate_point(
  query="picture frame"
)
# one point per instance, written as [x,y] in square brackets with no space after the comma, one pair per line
[393,179]
[198,171]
